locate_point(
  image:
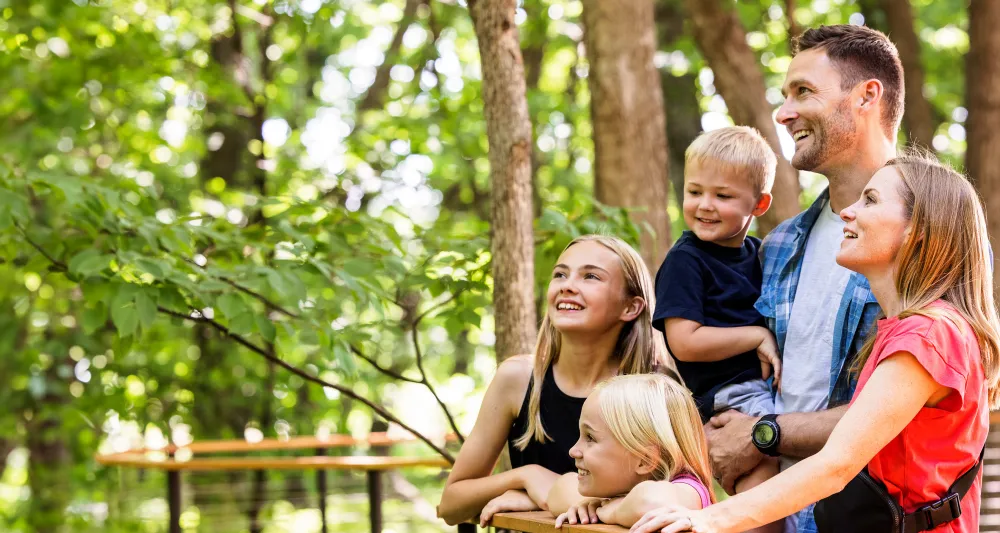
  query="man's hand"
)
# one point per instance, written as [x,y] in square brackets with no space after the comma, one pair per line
[512,500]
[767,352]
[730,448]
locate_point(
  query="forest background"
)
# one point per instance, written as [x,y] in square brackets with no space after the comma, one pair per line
[270,218]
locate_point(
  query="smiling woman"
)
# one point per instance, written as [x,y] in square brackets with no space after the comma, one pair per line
[598,323]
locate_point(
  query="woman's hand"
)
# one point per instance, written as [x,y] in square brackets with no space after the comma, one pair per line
[674,519]
[583,512]
[512,500]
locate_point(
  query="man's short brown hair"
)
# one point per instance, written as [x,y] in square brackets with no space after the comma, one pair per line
[860,54]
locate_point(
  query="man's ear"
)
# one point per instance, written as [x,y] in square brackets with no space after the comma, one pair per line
[871,94]
[763,204]
[633,309]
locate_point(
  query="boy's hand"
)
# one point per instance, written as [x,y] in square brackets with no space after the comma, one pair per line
[512,500]
[767,352]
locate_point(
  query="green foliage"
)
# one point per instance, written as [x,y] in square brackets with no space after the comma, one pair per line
[168,163]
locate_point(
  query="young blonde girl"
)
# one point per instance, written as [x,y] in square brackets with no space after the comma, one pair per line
[641,445]
[597,324]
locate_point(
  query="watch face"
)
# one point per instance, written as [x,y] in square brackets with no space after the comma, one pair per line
[764,434]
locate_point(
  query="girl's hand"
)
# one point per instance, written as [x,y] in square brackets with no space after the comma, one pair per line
[584,512]
[512,500]
[675,519]
[608,511]
[767,352]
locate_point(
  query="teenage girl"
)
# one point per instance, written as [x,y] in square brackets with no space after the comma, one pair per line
[597,324]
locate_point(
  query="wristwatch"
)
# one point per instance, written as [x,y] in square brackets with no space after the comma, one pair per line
[766,435]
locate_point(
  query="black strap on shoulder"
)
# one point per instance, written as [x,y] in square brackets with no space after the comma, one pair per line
[946,509]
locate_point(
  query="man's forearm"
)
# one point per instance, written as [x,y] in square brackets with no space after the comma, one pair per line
[803,434]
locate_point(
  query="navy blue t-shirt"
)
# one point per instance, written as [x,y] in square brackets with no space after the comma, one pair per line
[715,286]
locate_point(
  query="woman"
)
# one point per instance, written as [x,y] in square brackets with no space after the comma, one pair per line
[598,323]
[929,373]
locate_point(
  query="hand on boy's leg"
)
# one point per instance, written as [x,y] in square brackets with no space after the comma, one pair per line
[767,352]
[729,447]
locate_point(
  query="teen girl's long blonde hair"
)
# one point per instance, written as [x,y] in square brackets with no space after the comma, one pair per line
[637,349]
[654,417]
[946,256]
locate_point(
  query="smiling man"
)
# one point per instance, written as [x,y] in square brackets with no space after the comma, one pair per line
[843,106]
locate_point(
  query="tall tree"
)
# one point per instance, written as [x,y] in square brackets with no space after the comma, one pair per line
[630,141]
[918,116]
[722,40]
[982,79]
[508,130]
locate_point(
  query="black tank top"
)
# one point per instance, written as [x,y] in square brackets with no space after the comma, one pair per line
[561,420]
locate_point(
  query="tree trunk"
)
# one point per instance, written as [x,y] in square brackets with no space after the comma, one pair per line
[626,106]
[983,100]
[918,116]
[722,40]
[680,97]
[508,130]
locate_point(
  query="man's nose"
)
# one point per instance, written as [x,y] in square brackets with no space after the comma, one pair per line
[786,113]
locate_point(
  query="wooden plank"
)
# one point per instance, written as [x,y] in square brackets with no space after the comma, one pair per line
[544,522]
[293,443]
[363,463]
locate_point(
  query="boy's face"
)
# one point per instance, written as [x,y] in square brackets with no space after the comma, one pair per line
[719,205]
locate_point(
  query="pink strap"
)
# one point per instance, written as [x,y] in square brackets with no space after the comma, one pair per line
[696,484]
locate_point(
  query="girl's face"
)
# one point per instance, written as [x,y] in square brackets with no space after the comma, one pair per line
[587,291]
[605,469]
[876,226]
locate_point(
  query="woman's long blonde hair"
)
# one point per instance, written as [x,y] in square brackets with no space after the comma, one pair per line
[637,349]
[946,256]
[654,417]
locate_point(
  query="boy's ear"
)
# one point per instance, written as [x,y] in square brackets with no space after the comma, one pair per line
[763,204]
[633,309]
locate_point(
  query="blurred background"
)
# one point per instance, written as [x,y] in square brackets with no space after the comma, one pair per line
[189,187]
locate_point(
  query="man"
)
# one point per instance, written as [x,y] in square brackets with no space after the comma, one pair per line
[843,106]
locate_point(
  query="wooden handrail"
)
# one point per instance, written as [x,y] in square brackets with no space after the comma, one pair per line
[544,522]
[364,462]
[293,443]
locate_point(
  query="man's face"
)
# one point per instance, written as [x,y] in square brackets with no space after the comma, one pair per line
[818,113]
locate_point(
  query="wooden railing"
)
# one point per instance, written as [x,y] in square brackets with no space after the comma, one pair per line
[175,460]
[544,522]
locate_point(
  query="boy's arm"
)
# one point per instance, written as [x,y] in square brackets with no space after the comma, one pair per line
[691,342]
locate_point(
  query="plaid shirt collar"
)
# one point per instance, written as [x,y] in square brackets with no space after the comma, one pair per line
[782,256]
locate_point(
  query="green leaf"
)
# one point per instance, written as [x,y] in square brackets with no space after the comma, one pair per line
[357,267]
[172,299]
[13,204]
[232,305]
[145,306]
[242,324]
[94,317]
[89,262]
[125,319]
[266,327]
[150,266]
[343,357]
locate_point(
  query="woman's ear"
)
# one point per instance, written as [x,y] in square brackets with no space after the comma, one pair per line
[633,308]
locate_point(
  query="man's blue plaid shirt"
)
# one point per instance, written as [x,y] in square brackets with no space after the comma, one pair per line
[782,254]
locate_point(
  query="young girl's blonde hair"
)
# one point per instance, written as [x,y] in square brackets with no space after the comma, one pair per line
[637,350]
[654,417]
[946,257]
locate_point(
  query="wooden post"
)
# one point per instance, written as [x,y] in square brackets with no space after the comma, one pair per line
[321,488]
[174,499]
[466,528]
[375,500]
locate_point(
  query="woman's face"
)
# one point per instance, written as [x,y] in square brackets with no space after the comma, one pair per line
[604,467]
[587,290]
[876,227]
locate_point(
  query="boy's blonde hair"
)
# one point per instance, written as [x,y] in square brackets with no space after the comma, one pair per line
[654,417]
[739,150]
[639,349]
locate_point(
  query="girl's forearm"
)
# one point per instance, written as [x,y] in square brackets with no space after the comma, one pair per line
[643,498]
[463,500]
